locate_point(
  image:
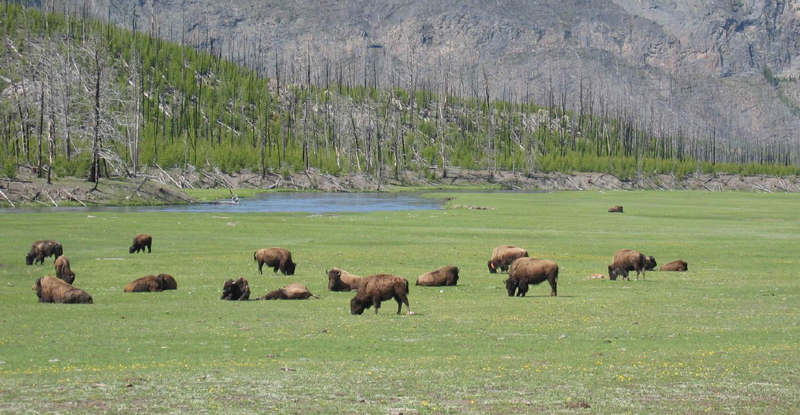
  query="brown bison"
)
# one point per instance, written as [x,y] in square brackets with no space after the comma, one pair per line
[527,271]
[238,290]
[626,260]
[63,270]
[447,275]
[341,280]
[289,292]
[678,265]
[53,290]
[503,256]
[149,283]
[277,258]
[41,250]
[650,263]
[169,282]
[140,242]
[615,209]
[377,288]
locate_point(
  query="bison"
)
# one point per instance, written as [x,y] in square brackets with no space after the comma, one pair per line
[140,242]
[149,283]
[678,265]
[341,280]
[615,209]
[238,290]
[626,260]
[289,292]
[63,270]
[527,271]
[277,258]
[42,249]
[169,282]
[650,263]
[503,256]
[447,275]
[377,288]
[53,290]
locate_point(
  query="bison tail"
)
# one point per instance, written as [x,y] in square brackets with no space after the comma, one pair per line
[407,290]
[254,256]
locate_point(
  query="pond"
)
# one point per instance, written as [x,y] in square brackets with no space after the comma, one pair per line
[312,202]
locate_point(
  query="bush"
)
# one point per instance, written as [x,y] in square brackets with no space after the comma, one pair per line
[9,168]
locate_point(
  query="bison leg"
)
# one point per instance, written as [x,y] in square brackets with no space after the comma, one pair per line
[402,299]
[260,265]
[148,249]
[376,301]
[523,288]
[553,289]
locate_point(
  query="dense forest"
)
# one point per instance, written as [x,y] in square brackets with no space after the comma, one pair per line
[79,97]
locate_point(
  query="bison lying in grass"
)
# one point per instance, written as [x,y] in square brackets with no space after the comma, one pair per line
[63,271]
[503,256]
[377,288]
[289,292]
[238,290]
[140,242]
[527,271]
[626,260]
[444,276]
[149,283]
[277,258]
[341,280]
[615,209]
[53,290]
[42,249]
[678,265]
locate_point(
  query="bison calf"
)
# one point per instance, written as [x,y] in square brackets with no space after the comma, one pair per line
[626,260]
[341,280]
[277,258]
[238,290]
[53,290]
[615,209]
[678,265]
[149,283]
[444,276]
[289,292]
[42,249]
[503,256]
[377,288]
[140,242]
[530,271]
[63,270]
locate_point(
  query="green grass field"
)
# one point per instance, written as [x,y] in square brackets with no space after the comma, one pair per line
[722,338]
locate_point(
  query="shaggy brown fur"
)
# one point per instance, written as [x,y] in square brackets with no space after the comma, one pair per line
[277,258]
[527,271]
[650,263]
[615,209]
[140,242]
[149,283]
[42,249]
[289,292]
[169,282]
[447,275]
[377,288]
[53,290]
[503,256]
[238,290]
[63,270]
[626,260]
[678,265]
[341,280]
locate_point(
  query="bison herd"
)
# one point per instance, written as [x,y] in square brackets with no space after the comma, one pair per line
[523,271]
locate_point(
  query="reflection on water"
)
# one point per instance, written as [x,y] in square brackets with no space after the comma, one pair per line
[278,202]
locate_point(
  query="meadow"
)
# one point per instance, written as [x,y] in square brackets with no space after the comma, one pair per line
[721,338]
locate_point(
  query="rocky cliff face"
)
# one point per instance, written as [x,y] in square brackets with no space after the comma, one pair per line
[691,65]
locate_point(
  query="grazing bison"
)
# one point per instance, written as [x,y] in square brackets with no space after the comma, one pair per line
[650,263]
[63,271]
[149,283]
[626,260]
[41,250]
[678,265]
[238,290]
[527,271]
[615,209]
[169,282]
[289,292]
[447,275]
[140,242]
[377,288]
[277,258]
[341,280]
[53,290]
[503,256]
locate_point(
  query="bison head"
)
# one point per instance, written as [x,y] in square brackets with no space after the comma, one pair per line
[650,263]
[492,268]
[132,249]
[28,259]
[290,266]
[613,273]
[511,286]
[356,307]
